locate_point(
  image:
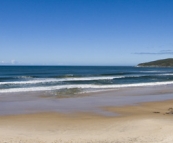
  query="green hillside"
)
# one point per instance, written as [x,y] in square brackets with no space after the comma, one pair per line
[158,63]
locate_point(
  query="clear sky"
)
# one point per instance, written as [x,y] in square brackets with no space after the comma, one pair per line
[85,32]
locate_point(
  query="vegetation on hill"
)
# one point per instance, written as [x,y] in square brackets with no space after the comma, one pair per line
[158,63]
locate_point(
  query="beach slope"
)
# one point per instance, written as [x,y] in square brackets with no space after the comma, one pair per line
[147,122]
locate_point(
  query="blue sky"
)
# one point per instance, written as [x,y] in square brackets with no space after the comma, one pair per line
[85,32]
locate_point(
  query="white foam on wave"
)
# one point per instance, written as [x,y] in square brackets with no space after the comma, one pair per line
[82,86]
[167,74]
[49,80]
[152,71]
[61,80]
[24,77]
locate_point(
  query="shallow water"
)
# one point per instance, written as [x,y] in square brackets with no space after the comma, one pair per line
[32,102]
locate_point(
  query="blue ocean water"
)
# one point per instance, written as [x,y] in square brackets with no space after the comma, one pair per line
[77,79]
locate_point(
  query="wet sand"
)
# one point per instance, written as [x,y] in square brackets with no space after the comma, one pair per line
[129,122]
[34,102]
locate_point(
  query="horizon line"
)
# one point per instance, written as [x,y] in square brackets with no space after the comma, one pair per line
[62,65]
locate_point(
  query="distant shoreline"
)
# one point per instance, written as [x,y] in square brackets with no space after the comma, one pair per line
[158,63]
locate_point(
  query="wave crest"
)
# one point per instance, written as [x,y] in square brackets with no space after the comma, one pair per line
[80,86]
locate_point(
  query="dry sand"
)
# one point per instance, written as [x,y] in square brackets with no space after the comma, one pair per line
[144,123]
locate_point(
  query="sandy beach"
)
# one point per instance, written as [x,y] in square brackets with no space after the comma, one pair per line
[135,123]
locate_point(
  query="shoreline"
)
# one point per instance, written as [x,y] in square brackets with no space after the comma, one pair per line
[131,115]
[34,102]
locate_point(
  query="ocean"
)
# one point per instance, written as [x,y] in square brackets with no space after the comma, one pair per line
[70,80]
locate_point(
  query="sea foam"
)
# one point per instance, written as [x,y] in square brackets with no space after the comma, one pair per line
[47,80]
[82,86]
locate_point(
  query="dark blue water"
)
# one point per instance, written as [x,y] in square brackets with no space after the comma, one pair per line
[74,79]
